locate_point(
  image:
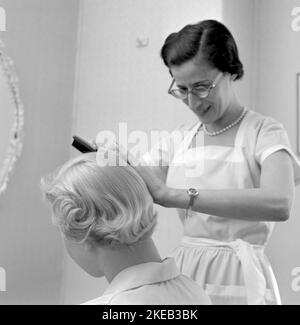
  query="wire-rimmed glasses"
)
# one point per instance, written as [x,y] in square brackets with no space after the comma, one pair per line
[202,90]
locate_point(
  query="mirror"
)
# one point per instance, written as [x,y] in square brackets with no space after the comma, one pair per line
[11,118]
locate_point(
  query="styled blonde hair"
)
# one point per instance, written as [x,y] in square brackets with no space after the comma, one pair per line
[102,206]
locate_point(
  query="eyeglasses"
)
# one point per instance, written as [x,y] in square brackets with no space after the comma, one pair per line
[202,90]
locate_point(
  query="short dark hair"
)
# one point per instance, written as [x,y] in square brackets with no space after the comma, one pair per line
[208,37]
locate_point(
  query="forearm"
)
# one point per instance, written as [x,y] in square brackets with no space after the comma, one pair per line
[245,204]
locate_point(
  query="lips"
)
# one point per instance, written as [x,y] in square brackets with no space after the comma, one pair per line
[204,111]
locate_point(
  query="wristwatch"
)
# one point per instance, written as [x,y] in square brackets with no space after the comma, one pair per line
[192,192]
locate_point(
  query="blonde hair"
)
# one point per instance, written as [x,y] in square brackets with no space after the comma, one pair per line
[99,205]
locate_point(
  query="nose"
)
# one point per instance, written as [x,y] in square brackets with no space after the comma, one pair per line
[193,101]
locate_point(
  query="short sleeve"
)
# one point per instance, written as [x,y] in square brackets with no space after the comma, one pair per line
[273,137]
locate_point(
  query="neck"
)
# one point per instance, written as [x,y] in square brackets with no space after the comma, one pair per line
[232,112]
[229,117]
[122,257]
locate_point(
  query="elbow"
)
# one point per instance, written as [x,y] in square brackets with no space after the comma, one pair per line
[283,209]
[283,216]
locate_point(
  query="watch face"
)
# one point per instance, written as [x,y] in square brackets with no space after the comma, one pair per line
[192,192]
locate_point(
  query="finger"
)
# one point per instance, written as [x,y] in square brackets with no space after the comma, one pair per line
[93,143]
[126,154]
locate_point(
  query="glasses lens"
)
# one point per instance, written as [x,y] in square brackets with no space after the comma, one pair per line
[179,93]
[201,92]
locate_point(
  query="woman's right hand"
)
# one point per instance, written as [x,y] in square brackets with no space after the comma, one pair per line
[152,176]
[93,144]
[155,182]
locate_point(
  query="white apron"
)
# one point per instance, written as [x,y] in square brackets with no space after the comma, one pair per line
[225,256]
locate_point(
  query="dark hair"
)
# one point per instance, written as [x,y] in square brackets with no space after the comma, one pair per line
[208,37]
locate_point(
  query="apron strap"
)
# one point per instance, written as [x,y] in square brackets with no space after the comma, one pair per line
[255,282]
[239,138]
[189,135]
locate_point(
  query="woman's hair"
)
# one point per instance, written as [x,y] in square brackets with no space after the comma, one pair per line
[209,38]
[102,206]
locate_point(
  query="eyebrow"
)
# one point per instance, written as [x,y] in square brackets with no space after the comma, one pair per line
[196,83]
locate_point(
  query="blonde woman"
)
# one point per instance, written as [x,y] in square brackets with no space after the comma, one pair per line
[106,218]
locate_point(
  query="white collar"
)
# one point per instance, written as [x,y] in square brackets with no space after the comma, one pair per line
[142,274]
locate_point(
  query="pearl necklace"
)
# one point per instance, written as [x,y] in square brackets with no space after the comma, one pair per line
[227,127]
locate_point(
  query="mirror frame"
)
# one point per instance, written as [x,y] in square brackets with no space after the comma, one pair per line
[14,147]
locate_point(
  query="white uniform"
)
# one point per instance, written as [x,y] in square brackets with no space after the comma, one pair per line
[226,256]
[152,284]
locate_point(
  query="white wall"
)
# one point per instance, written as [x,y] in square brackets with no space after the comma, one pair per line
[41,39]
[118,82]
[277,65]
[239,17]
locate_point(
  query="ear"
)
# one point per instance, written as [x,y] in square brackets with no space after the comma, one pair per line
[233,77]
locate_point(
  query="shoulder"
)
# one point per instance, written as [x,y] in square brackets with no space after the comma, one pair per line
[257,121]
[143,295]
[102,300]
[259,127]
[178,291]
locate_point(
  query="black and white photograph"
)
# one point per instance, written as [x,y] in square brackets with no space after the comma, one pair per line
[150,154]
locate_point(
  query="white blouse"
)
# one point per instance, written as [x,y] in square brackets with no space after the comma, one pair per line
[152,284]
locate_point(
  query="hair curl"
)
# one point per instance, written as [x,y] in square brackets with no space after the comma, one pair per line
[102,206]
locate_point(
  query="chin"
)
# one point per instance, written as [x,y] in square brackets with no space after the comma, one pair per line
[95,273]
[203,119]
[206,117]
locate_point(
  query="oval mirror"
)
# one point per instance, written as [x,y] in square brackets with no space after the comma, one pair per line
[11,118]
